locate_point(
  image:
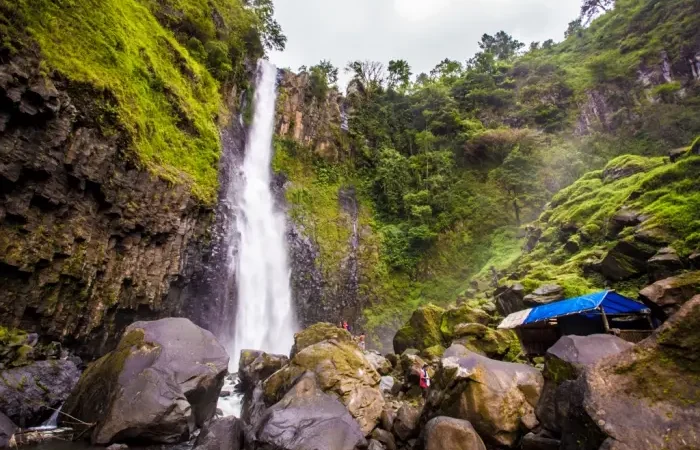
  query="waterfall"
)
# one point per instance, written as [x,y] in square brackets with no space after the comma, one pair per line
[264,317]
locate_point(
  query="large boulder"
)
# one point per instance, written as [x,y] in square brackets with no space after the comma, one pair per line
[221,434]
[498,398]
[510,299]
[319,332]
[564,362]
[645,397]
[406,422]
[626,260]
[447,433]
[342,369]
[422,330]
[161,382]
[7,430]
[495,344]
[664,264]
[666,296]
[544,294]
[454,317]
[308,418]
[29,395]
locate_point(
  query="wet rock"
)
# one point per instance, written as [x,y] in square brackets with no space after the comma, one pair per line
[544,294]
[341,368]
[510,299]
[224,394]
[319,332]
[565,361]
[7,430]
[532,239]
[406,422]
[307,418]
[380,363]
[640,398]
[161,382]
[462,315]
[626,260]
[421,331]
[446,433]
[666,296]
[498,398]
[385,438]
[664,264]
[533,441]
[28,394]
[573,245]
[221,434]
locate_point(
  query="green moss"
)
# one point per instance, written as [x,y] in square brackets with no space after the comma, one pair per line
[422,330]
[319,332]
[465,314]
[164,98]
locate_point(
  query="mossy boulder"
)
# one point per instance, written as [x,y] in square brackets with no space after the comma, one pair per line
[627,259]
[161,382]
[319,332]
[433,353]
[645,397]
[446,433]
[341,369]
[666,296]
[495,344]
[465,314]
[255,366]
[498,398]
[422,330]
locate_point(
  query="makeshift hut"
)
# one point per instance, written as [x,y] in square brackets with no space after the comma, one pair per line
[602,312]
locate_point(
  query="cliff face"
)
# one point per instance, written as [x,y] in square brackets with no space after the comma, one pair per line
[89,241]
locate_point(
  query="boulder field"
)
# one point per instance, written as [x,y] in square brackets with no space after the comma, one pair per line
[161,384]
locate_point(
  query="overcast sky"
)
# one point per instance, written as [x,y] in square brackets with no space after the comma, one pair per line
[423,32]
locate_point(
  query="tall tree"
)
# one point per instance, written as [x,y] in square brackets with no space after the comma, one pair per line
[368,76]
[503,46]
[590,8]
[399,74]
[269,29]
[447,71]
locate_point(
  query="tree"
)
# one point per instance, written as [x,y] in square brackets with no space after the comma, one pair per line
[590,8]
[447,71]
[503,46]
[269,29]
[549,43]
[368,76]
[534,46]
[330,70]
[399,74]
[575,28]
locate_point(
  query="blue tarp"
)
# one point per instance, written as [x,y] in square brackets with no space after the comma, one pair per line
[611,302]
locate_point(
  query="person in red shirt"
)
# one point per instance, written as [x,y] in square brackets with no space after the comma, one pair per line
[424,380]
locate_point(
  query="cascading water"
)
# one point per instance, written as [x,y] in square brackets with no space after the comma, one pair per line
[264,318]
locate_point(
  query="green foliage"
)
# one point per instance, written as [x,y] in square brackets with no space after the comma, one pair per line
[158,61]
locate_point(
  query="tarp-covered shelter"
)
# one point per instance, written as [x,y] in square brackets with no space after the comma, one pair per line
[602,312]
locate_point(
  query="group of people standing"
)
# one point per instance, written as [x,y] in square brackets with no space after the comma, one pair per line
[360,339]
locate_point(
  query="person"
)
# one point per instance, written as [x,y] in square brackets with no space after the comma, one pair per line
[362,342]
[345,325]
[424,379]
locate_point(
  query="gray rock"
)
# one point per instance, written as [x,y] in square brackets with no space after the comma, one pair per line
[118,447]
[385,437]
[406,422]
[626,260]
[380,363]
[544,294]
[255,366]
[387,419]
[375,445]
[664,264]
[386,384]
[623,219]
[28,394]
[221,434]
[307,418]
[532,441]
[510,299]
[666,296]
[7,430]
[565,361]
[446,433]
[161,382]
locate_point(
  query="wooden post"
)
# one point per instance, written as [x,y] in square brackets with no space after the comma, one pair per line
[606,325]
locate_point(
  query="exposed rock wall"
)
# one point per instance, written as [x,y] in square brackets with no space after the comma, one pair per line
[308,121]
[89,240]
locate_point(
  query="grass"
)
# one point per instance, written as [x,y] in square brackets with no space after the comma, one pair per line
[166,101]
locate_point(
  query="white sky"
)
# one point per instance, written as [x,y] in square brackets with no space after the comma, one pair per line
[423,32]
